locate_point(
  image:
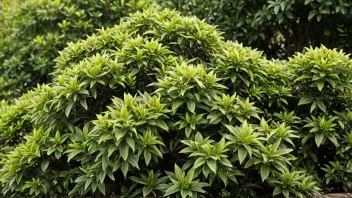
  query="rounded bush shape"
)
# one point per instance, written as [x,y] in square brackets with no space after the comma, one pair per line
[160,105]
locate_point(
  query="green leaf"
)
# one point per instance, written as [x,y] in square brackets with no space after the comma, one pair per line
[286,193]
[80,179]
[112,148]
[112,177]
[321,106]
[320,85]
[307,2]
[131,143]
[101,176]
[119,134]
[147,157]
[276,9]
[223,177]
[264,171]
[105,137]
[249,163]
[124,168]
[179,40]
[242,153]
[105,163]
[319,137]
[324,11]
[311,14]
[277,191]
[289,15]
[73,154]
[186,193]
[225,162]
[83,102]
[124,149]
[333,139]
[88,182]
[68,109]
[44,165]
[305,100]
[190,175]
[133,160]
[212,165]
[178,172]
[199,162]
[319,16]
[101,187]
[94,93]
[191,105]
[162,124]
[314,105]
[171,190]
[328,33]
[176,105]
[147,190]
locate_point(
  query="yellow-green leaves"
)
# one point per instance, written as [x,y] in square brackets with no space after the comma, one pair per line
[320,129]
[305,100]
[321,70]
[296,180]
[151,183]
[209,157]
[190,122]
[264,171]
[184,184]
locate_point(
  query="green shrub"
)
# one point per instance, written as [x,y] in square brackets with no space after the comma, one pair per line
[35,30]
[278,27]
[161,105]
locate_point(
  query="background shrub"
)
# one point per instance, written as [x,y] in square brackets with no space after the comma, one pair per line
[161,105]
[279,27]
[33,31]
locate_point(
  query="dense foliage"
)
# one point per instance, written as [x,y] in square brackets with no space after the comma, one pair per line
[161,105]
[33,31]
[278,27]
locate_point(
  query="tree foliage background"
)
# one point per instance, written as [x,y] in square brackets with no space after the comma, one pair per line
[34,31]
[279,27]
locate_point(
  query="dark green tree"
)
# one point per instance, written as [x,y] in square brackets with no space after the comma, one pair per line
[278,27]
[34,31]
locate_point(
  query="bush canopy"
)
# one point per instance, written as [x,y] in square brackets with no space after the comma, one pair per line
[162,105]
